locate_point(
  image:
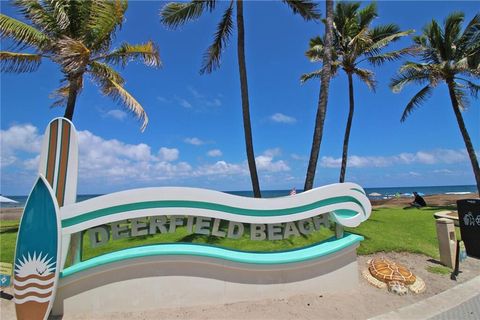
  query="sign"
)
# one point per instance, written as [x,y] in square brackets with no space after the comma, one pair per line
[5,274]
[53,222]
[469,219]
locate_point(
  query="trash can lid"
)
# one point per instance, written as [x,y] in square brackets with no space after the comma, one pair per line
[444,221]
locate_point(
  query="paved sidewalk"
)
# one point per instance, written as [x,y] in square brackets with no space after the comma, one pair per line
[469,310]
[460,302]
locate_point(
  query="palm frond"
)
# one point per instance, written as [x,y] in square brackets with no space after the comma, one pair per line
[311,75]
[148,52]
[386,40]
[104,18]
[58,10]
[306,8]
[104,71]
[435,41]
[211,58]
[118,93]
[38,15]
[316,49]
[71,54]
[407,76]
[60,95]
[417,100]
[19,62]
[469,42]
[380,59]
[21,33]
[367,14]
[175,14]
[366,76]
[461,96]
[474,88]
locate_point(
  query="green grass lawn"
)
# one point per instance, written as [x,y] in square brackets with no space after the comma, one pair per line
[387,229]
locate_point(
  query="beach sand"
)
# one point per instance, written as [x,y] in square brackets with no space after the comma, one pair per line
[361,303]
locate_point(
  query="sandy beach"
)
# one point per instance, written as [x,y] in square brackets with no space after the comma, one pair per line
[361,303]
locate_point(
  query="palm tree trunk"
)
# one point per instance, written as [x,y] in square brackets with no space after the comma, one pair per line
[465,135]
[245,103]
[322,99]
[347,129]
[72,95]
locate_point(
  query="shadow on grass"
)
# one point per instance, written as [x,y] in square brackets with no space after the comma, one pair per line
[195,237]
[435,261]
[9,230]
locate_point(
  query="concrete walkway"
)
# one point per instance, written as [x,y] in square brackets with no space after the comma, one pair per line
[460,302]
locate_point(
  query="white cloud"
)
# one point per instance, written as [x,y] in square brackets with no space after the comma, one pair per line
[298,157]
[265,161]
[162,99]
[194,141]
[167,154]
[438,156]
[116,114]
[120,163]
[274,152]
[183,102]
[215,102]
[281,118]
[215,153]
[202,99]
[23,138]
[221,168]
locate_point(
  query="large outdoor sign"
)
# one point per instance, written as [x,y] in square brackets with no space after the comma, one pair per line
[53,222]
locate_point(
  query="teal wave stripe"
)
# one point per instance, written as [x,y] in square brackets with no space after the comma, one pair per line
[187,204]
[201,250]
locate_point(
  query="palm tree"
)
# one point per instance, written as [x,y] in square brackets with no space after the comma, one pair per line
[325,75]
[176,14]
[354,43]
[448,56]
[77,35]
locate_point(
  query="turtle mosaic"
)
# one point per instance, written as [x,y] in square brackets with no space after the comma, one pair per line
[384,273]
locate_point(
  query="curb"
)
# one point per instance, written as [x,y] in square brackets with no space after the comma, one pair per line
[436,304]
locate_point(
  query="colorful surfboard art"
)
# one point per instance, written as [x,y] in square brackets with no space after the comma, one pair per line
[37,254]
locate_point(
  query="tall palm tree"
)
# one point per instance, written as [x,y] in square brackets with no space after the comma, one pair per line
[355,42]
[176,14]
[76,34]
[447,56]
[325,74]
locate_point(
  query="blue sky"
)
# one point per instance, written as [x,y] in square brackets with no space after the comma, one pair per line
[195,133]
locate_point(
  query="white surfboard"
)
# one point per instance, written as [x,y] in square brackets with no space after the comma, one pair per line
[59,166]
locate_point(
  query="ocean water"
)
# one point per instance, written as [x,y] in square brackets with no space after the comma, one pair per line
[387,192]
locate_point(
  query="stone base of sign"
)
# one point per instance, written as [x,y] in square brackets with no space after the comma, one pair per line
[177,281]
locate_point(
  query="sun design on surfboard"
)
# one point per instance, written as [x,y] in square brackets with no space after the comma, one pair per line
[29,265]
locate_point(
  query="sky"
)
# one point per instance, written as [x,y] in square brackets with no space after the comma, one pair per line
[195,134]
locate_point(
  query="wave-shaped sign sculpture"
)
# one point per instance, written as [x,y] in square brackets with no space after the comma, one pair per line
[347,202]
[52,218]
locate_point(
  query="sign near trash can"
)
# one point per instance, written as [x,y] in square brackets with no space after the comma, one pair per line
[469,219]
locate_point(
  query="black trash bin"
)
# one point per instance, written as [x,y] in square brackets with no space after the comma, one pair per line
[469,219]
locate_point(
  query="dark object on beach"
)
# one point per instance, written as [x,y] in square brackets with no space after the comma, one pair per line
[418,201]
[454,274]
[5,295]
[469,220]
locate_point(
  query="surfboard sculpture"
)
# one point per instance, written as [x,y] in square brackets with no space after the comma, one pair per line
[37,254]
[59,165]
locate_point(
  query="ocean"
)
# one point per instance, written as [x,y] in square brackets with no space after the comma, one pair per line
[386,192]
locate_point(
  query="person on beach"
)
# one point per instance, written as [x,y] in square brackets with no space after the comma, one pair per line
[418,202]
